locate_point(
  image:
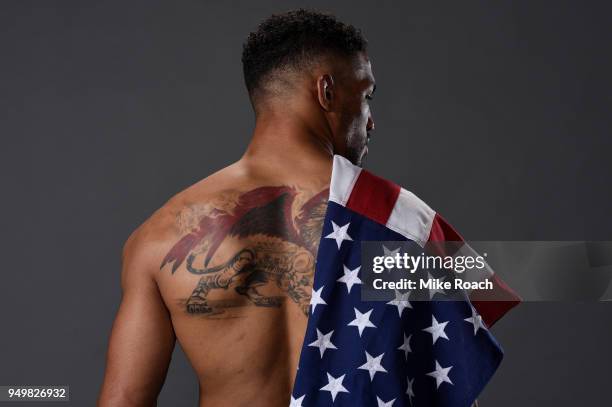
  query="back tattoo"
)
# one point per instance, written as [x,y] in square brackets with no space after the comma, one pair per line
[281,248]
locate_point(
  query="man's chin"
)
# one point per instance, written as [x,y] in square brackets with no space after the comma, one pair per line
[362,157]
[356,158]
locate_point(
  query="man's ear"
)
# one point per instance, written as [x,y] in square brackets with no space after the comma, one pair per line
[325,91]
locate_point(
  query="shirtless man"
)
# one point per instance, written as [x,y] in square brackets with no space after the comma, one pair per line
[226,266]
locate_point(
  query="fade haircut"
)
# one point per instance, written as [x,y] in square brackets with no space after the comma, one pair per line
[292,42]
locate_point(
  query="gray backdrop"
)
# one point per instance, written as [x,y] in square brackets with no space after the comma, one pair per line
[495,113]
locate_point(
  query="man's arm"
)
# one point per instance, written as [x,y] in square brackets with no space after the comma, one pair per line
[142,338]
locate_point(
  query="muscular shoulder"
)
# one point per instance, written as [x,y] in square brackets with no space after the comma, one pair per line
[141,250]
[146,246]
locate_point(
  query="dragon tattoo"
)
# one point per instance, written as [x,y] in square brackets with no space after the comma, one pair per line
[281,249]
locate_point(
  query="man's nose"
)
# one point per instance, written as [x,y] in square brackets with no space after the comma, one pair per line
[370,125]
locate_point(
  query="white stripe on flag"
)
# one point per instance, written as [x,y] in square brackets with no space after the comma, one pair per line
[411,217]
[344,176]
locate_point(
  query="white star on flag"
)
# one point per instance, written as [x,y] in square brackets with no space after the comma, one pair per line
[339,234]
[350,278]
[334,386]
[434,290]
[390,253]
[323,342]
[383,404]
[316,299]
[440,374]
[362,321]
[406,345]
[400,301]
[409,390]
[476,320]
[436,329]
[373,365]
[297,402]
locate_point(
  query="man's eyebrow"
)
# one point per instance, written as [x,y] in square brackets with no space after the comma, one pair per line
[374,89]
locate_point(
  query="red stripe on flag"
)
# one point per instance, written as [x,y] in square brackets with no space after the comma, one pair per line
[373,197]
[442,231]
[490,304]
[493,304]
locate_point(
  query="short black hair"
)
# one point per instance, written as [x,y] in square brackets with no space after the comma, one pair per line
[293,39]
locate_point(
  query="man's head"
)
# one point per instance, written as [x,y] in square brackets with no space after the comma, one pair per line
[314,62]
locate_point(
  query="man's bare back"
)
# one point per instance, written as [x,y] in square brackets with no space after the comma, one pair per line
[234,270]
[237,281]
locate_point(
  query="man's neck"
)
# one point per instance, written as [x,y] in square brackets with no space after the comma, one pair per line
[282,145]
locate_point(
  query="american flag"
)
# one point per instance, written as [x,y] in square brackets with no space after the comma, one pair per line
[396,353]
